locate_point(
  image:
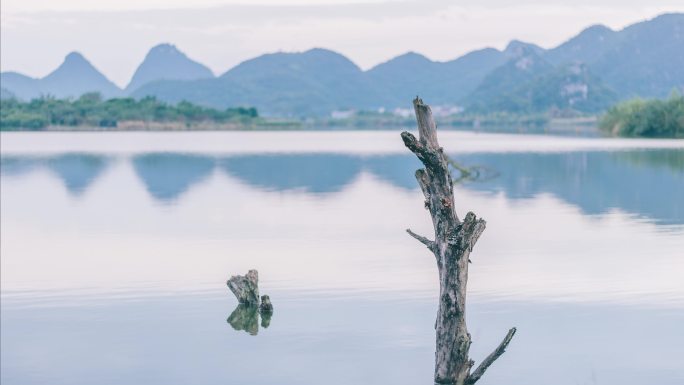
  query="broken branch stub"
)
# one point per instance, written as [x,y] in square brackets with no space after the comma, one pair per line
[245,288]
[453,242]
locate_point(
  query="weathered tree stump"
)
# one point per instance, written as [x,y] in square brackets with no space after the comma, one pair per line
[246,314]
[454,240]
[245,288]
[266,306]
[266,311]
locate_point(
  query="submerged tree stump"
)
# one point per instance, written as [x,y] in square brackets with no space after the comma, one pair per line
[245,288]
[246,314]
[266,306]
[454,240]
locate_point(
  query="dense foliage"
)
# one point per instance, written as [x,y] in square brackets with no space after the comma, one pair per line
[91,110]
[647,118]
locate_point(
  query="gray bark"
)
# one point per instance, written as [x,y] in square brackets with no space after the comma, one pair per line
[266,311]
[246,314]
[266,306]
[454,241]
[245,288]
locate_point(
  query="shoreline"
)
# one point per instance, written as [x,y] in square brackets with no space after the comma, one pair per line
[323,124]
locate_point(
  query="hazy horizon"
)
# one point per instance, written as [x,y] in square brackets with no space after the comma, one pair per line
[115,36]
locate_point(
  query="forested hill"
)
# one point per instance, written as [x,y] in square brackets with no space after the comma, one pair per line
[90,111]
[585,74]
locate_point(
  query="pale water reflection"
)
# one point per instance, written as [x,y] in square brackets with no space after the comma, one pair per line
[597,181]
[313,173]
[167,176]
[115,253]
[246,318]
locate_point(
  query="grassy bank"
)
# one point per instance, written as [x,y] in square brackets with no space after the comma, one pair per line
[646,118]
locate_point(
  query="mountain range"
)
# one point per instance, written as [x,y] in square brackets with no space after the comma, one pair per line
[165,61]
[587,73]
[75,76]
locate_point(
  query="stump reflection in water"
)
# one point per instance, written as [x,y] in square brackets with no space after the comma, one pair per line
[246,318]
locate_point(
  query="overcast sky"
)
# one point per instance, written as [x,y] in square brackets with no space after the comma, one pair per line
[116,34]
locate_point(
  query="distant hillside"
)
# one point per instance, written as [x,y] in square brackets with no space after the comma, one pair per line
[20,85]
[73,78]
[646,59]
[319,81]
[530,84]
[287,84]
[76,76]
[584,74]
[6,94]
[215,92]
[569,87]
[502,89]
[166,62]
[586,47]
[515,48]
[408,75]
[314,81]
[417,74]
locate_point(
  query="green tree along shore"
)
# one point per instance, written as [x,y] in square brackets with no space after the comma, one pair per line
[646,118]
[633,118]
[91,111]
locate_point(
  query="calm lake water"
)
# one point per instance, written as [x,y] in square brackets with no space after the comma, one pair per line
[116,248]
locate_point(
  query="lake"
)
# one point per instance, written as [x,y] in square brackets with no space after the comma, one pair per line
[116,248]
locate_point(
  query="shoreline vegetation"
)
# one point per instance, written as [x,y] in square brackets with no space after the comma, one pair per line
[654,118]
[90,112]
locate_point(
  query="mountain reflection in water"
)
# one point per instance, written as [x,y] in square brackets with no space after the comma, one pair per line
[167,176]
[312,173]
[116,247]
[77,171]
[635,181]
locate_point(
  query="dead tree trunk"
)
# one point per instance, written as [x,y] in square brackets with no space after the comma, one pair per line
[454,240]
